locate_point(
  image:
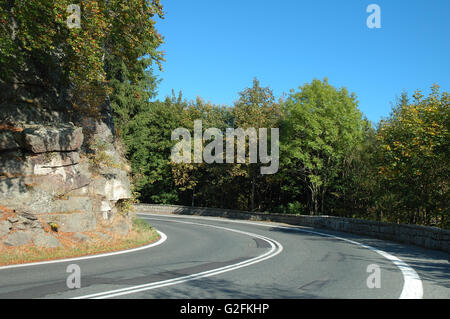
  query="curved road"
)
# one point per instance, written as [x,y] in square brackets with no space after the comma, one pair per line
[219,258]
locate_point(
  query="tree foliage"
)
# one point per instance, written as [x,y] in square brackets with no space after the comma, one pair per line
[36,32]
[148,139]
[414,161]
[323,126]
[332,161]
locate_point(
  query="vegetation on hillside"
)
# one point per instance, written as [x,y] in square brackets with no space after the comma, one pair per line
[116,42]
[332,160]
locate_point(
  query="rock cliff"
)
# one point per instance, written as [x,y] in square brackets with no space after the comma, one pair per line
[58,170]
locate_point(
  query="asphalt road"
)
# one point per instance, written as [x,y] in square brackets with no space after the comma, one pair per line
[219,258]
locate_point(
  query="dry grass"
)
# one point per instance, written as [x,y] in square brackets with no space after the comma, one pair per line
[5,210]
[4,127]
[141,234]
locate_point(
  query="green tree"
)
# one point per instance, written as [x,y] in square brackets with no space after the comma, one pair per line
[35,35]
[322,126]
[148,139]
[255,108]
[354,193]
[414,158]
[199,183]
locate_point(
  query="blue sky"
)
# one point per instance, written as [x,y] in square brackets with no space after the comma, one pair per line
[214,48]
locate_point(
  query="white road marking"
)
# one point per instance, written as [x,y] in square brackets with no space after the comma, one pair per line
[412,284]
[412,287]
[275,249]
[159,242]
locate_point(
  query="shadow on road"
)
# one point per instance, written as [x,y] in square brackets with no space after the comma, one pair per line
[431,265]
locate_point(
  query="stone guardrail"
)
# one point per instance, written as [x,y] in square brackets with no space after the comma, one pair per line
[423,236]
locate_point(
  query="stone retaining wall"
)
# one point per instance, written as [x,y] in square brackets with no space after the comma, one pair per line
[427,237]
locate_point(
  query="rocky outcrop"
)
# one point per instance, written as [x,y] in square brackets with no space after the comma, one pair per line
[44,139]
[25,228]
[55,169]
[59,162]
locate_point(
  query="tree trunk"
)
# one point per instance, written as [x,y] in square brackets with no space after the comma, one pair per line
[322,200]
[252,198]
[314,203]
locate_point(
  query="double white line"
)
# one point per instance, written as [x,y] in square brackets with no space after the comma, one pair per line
[412,284]
[275,249]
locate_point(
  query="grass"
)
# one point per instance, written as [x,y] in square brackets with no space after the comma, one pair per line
[140,235]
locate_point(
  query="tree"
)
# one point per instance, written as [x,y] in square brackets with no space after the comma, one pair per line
[198,183]
[35,35]
[256,108]
[148,140]
[414,160]
[130,94]
[322,126]
[354,193]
